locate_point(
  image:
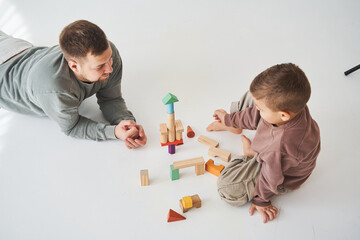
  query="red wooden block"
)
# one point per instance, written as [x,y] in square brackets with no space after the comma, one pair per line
[174,216]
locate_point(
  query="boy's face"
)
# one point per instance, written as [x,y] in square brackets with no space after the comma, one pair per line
[273,117]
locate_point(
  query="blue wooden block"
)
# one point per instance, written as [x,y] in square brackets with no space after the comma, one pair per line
[170,108]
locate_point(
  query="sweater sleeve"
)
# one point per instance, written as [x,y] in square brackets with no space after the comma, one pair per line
[246,119]
[270,177]
[110,99]
[63,109]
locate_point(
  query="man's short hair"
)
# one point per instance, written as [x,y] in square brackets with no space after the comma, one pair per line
[81,37]
[284,87]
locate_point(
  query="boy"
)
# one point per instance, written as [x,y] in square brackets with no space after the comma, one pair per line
[286,144]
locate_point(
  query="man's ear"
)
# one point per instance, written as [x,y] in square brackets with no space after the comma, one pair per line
[73,65]
[285,116]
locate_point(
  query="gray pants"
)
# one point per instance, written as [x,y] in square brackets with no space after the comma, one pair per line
[236,182]
[9,46]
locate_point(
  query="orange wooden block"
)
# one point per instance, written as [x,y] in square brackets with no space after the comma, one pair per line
[212,168]
[174,216]
[190,132]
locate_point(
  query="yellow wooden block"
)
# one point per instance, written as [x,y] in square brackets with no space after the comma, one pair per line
[187,202]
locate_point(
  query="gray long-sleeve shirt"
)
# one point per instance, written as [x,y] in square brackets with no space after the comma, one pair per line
[287,152]
[39,82]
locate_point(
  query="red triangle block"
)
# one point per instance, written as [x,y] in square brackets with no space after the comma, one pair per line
[174,216]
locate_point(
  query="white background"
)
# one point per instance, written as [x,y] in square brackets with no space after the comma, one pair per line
[206,53]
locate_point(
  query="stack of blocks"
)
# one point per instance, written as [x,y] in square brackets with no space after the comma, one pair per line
[198,163]
[189,202]
[171,132]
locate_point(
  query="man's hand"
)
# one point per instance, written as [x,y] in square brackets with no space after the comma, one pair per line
[219,115]
[268,212]
[131,133]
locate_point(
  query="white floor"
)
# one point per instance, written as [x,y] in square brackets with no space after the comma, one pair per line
[206,53]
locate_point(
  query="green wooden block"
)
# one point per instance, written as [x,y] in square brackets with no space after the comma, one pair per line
[174,173]
[170,98]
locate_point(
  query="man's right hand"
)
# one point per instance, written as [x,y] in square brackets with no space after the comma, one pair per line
[132,134]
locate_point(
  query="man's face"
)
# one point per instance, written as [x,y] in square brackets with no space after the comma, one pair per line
[95,68]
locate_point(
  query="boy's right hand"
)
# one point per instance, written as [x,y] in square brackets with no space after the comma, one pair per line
[219,115]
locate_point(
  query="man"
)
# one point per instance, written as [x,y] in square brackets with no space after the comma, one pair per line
[54,81]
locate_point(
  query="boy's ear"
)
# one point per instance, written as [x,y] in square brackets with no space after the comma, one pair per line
[285,116]
[73,65]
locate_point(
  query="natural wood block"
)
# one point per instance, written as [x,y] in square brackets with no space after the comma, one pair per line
[163,133]
[170,124]
[196,200]
[212,168]
[217,152]
[208,141]
[178,126]
[199,169]
[189,162]
[144,175]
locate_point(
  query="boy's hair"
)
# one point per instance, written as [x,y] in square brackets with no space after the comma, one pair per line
[80,37]
[284,87]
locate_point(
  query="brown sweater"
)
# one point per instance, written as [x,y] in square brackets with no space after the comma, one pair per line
[287,153]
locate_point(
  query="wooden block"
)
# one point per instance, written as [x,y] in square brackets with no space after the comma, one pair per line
[163,133]
[199,169]
[179,129]
[178,126]
[187,202]
[196,200]
[174,173]
[208,141]
[144,175]
[217,152]
[190,132]
[176,142]
[184,210]
[170,124]
[174,216]
[212,168]
[189,162]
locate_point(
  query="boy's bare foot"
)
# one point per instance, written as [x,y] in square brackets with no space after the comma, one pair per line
[217,126]
[247,147]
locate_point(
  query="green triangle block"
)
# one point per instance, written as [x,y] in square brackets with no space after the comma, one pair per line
[170,98]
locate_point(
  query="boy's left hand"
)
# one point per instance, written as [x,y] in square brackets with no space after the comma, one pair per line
[268,212]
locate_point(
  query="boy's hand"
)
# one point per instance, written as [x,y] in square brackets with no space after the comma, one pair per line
[219,115]
[268,212]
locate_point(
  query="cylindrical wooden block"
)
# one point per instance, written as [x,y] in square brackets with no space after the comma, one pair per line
[170,123]
[190,132]
[171,149]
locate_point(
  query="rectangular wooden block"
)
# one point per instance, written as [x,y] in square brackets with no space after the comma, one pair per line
[189,162]
[178,126]
[144,175]
[217,152]
[208,141]
[163,133]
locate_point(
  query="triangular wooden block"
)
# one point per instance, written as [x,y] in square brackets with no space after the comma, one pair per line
[174,216]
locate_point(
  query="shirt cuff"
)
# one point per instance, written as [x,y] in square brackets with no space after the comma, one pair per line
[110,132]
